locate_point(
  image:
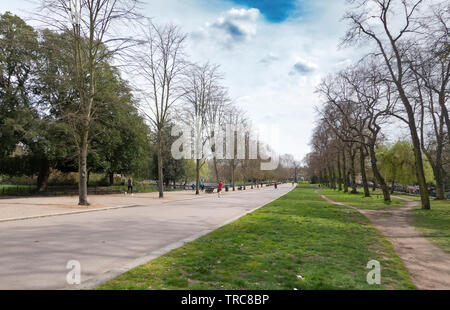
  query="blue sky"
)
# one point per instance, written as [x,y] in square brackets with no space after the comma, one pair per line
[273,10]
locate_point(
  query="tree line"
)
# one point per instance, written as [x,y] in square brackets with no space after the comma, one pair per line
[65,102]
[404,78]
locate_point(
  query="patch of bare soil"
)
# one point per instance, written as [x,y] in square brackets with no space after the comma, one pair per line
[428,265]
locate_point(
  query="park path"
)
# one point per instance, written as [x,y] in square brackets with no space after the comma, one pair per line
[428,265]
[34,253]
[16,208]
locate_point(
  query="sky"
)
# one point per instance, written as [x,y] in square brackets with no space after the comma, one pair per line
[272,54]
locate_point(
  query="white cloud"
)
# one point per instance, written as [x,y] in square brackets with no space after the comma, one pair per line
[270,58]
[233,26]
[303,67]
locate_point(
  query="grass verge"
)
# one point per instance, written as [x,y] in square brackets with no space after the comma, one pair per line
[434,223]
[296,235]
[374,202]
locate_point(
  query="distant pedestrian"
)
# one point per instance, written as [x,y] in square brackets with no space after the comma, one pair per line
[130,185]
[193,186]
[219,188]
[276,185]
[202,187]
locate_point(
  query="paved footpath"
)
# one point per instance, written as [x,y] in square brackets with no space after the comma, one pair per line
[35,252]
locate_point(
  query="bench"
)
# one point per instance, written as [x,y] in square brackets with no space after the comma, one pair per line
[209,190]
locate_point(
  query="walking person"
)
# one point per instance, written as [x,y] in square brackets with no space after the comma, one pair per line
[219,188]
[130,185]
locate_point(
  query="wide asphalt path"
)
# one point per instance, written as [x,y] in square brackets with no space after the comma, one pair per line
[34,253]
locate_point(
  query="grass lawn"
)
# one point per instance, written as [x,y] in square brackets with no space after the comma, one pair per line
[374,202]
[7,186]
[296,235]
[434,223]
[7,189]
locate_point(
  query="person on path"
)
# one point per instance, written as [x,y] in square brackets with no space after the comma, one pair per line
[276,185]
[130,185]
[219,188]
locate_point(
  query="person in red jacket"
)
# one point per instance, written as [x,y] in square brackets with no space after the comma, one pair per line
[219,188]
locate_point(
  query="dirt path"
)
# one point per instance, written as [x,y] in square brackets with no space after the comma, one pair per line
[428,265]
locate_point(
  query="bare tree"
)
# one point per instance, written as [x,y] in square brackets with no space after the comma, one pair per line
[430,59]
[89,25]
[374,96]
[236,119]
[432,120]
[160,63]
[200,91]
[392,43]
[216,112]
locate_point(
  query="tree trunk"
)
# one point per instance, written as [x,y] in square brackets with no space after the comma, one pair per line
[339,172]
[82,185]
[420,172]
[232,178]
[160,165]
[330,177]
[439,177]
[377,174]
[436,165]
[197,176]
[444,112]
[362,163]
[325,177]
[44,173]
[353,172]
[111,178]
[216,169]
[344,172]
[333,177]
